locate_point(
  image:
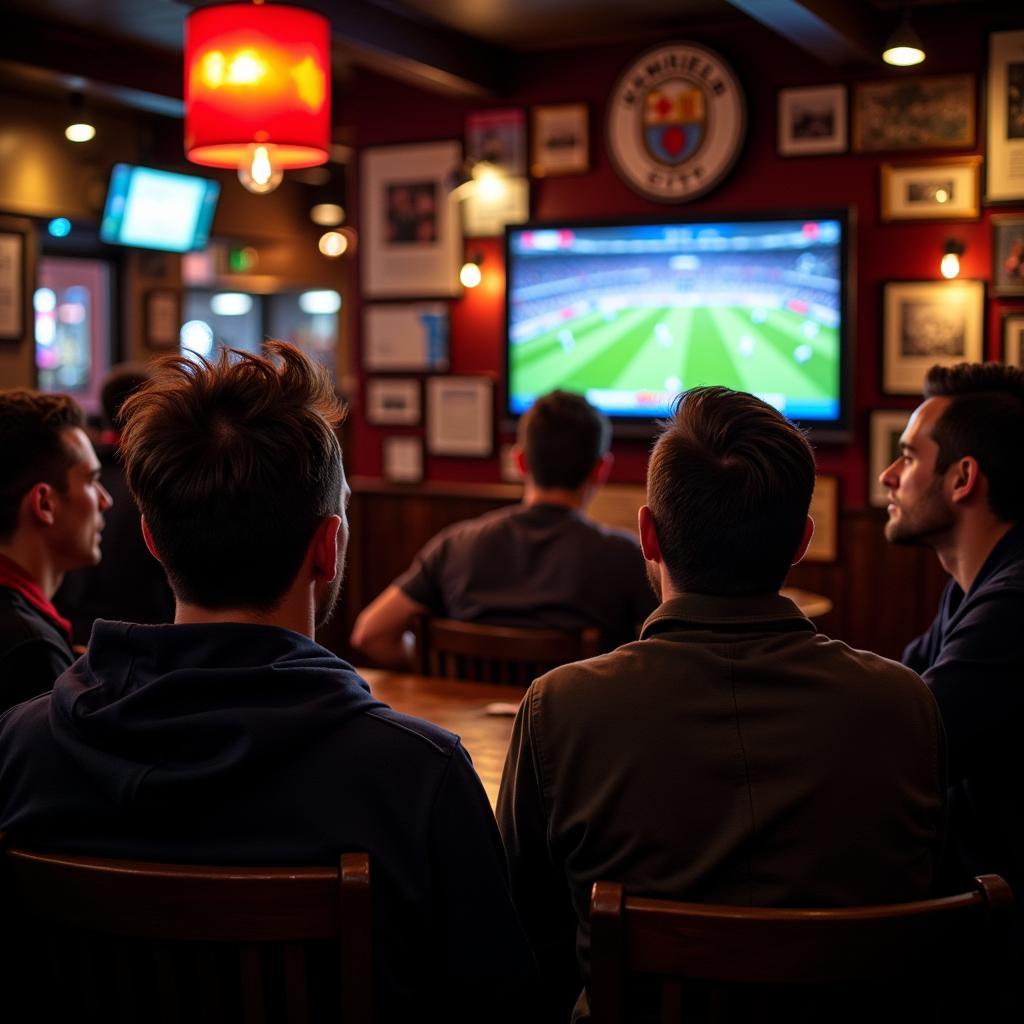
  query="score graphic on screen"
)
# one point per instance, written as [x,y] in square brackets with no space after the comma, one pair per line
[630,315]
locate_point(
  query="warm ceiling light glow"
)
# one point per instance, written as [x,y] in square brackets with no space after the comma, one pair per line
[332,243]
[327,215]
[230,304]
[950,265]
[470,274]
[903,48]
[80,131]
[320,302]
[260,172]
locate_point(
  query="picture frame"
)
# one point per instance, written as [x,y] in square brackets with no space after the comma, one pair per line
[393,401]
[1013,338]
[497,137]
[405,336]
[460,416]
[1008,255]
[824,510]
[885,427]
[409,223]
[812,120]
[1004,118]
[486,212]
[162,319]
[16,279]
[402,459]
[947,189]
[925,323]
[559,139]
[923,112]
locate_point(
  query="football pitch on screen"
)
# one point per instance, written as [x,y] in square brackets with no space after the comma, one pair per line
[672,348]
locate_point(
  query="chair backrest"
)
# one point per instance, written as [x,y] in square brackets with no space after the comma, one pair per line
[497,654]
[673,942]
[133,940]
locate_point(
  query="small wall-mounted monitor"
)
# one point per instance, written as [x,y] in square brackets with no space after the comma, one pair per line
[151,209]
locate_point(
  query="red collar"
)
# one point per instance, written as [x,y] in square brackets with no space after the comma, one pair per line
[15,578]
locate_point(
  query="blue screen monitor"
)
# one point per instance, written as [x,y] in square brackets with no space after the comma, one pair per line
[151,209]
[629,314]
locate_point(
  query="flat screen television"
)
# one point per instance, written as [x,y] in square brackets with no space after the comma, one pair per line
[151,209]
[631,313]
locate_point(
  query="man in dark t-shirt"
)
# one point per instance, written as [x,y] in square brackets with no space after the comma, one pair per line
[539,564]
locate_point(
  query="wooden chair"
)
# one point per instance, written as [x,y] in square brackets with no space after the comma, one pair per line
[119,940]
[497,654]
[673,942]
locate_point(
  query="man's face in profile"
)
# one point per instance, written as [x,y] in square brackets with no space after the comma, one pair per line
[327,598]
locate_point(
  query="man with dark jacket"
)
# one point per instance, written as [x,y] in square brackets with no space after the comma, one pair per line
[231,736]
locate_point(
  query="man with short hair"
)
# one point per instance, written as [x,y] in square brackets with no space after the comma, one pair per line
[732,754]
[51,520]
[541,563]
[231,737]
[957,487]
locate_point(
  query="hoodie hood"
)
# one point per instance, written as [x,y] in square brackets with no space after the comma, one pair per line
[151,713]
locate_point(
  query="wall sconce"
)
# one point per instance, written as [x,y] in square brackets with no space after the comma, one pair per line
[470,275]
[903,47]
[950,265]
[80,128]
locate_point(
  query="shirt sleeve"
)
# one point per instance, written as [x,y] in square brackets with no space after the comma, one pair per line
[421,582]
[29,669]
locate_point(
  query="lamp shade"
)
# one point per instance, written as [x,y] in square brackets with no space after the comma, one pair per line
[257,75]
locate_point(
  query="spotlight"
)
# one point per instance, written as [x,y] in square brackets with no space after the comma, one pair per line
[80,128]
[904,46]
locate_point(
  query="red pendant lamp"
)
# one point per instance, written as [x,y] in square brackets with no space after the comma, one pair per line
[257,90]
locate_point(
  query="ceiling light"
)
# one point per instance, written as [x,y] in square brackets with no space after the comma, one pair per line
[332,244]
[904,46]
[230,304]
[326,301]
[80,128]
[327,215]
[470,275]
[949,267]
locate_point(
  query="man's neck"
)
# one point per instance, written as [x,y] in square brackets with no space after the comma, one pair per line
[964,551]
[35,560]
[290,614]
[534,495]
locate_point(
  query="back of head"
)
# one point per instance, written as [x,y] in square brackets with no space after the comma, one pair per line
[32,448]
[985,419]
[729,484]
[563,437]
[117,386]
[234,464]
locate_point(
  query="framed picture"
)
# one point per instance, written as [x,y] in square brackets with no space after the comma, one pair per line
[560,137]
[1008,255]
[404,336]
[812,120]
[393,402]
[460,416]
[15,278]
[927,323]
[497,137]
[409,221]
[402,459]
[886,426]
[933,190]
[824,510]
[926,112]
[1013,338]
[163,318]
[485,212]
[1004,164]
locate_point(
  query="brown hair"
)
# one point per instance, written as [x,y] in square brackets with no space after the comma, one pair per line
[562,436]
[234,464]
[729,484]
[32,449]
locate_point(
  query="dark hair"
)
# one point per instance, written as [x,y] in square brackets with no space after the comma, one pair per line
[234,464]
[729,483]
[118,385]
[32,448]
[563,437]
[985,419]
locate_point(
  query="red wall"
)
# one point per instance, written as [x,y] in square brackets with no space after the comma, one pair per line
[383,111]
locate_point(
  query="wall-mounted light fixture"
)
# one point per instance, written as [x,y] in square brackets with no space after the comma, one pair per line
[80,127]
[903,48]
[470,275]
[951,253]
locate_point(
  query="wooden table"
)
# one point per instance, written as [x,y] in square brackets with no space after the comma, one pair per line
[459,707]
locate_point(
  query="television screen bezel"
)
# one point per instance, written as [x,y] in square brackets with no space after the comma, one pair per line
[837,430]
[203,227]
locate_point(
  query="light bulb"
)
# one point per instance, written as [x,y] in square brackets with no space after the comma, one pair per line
[333,243]
[470,274]
[81,131]
[950,265]
[259,172]
[903,56]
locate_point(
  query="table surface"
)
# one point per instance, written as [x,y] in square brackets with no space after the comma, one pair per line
[459,707]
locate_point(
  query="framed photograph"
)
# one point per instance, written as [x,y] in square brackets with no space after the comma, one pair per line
[560,139]
[886,426]
[405,336]
[933,190]
[926,112]
[411,242]
[460,416]
[163,318]
[1008,255]
[824,510]
[485,212]
[15,279]
[927,323]
[498,137]
[1013,338]
[393,402]
[402,459]
[812,120]
[1004,164]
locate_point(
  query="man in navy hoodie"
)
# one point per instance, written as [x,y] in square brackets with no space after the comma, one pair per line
[231,736]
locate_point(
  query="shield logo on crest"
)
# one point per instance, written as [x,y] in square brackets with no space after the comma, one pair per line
[674,121]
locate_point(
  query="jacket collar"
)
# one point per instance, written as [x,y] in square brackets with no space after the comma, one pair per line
[734,612]
[1008,551]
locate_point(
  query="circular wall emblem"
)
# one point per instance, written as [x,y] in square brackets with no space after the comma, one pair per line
[676,121]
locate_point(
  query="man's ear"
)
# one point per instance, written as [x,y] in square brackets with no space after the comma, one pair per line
[148,538]
[40,503]
[967,480]
[601,469]
[324,549]
[805,540]
[649,544]
[519,457]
